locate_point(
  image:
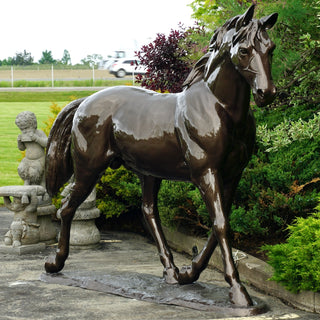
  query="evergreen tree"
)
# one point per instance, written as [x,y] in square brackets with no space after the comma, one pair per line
[66,59]
[92,60]
[47,58]
[22,58]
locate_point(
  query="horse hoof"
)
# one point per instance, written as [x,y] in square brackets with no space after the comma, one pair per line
[171,275]
[51,267]
[188,275]
[240,297]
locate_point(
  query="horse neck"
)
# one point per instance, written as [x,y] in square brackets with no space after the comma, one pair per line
[231,89]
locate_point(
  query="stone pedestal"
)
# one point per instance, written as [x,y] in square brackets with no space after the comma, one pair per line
[48,229]
[23,249]
[84,233]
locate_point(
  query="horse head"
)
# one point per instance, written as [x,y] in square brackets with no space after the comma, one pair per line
[251,53]
[243,41]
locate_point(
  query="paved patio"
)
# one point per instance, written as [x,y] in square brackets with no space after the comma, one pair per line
[24,296]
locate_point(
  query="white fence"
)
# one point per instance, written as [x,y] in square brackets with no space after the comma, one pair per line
[53,74]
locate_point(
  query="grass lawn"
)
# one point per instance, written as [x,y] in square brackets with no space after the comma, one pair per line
[42,96]
[10,155]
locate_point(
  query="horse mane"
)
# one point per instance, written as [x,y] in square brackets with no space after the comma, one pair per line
[197,72]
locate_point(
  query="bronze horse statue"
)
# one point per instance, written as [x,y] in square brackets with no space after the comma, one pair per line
[204,134]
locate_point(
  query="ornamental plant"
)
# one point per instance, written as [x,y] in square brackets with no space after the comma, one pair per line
[167,59]
[296,263]
[166,70]
[287,132]
[118,191]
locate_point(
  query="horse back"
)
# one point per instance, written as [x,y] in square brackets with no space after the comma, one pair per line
[135,126]
[138,111]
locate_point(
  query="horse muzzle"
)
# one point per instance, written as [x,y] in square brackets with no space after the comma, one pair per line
[263,97]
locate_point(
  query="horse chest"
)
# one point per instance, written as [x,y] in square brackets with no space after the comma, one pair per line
[205,135]
[236,159]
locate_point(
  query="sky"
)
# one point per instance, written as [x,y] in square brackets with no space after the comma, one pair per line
[86,27]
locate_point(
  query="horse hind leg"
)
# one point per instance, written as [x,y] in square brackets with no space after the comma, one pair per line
[80,190]
[150,188]
[85,179]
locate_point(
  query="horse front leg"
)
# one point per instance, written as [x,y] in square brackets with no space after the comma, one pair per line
[189,274]
[210,187]
[150,188]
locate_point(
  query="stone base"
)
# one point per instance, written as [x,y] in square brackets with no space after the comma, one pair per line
[199,296]
[84,234]
[48,229]
[24,249]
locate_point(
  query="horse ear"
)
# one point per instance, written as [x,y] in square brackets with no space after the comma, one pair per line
[245,18]
[269,21]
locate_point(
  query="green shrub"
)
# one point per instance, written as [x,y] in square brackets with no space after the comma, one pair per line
[118,191]
[287,132]
[54,110]
[269,197]
[296,263]
[181,205]
[172,202]
[246,222]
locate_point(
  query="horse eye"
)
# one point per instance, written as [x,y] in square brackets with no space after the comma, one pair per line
[243,51]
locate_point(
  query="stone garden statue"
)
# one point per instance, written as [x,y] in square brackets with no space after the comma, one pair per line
[30,202]
[33,141]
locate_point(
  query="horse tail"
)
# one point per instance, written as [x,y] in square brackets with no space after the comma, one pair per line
[59,166]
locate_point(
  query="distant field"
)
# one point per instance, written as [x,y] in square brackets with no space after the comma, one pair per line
[5,75]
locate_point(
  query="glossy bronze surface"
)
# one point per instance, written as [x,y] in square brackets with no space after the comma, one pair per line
[204,135]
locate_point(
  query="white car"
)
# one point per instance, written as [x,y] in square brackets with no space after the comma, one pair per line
[125,66]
